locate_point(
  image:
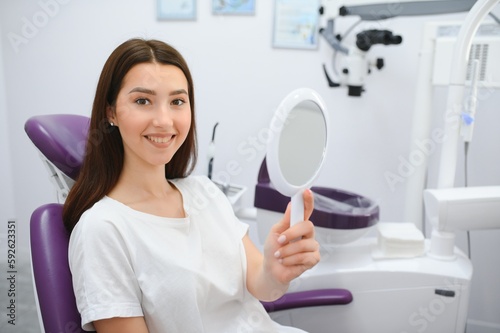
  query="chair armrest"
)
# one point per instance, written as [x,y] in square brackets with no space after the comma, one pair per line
[319,297]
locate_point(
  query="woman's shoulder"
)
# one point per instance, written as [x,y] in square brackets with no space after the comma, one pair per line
[105,206]
[101,215]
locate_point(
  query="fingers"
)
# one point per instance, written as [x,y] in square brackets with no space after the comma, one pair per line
[301,230]
[292,251]
[284,224]
[298,246]
[304,252]
[308,203]
[306,260]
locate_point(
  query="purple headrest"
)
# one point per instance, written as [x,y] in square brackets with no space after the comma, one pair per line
[61,138]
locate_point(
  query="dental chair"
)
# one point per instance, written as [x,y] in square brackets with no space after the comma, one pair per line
[60,140]
[57,137]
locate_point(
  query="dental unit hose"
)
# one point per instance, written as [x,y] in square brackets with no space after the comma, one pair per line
[469,114]
[467,127]
[211,152]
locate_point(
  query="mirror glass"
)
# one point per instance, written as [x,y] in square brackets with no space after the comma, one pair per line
[302,143]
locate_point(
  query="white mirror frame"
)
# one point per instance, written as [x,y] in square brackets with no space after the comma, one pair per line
[272,158]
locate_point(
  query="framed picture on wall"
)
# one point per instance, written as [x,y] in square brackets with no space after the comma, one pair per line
[176,9]
[235,7]
[296,24]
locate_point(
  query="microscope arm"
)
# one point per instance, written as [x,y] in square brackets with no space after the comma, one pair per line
[328,34]
[371,10]
[382,11]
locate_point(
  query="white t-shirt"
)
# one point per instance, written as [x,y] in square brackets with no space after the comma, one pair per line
[184,275]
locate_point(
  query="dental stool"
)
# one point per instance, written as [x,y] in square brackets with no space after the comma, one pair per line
[61,141]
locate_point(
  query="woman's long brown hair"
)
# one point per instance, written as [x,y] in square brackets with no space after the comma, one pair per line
[104,154]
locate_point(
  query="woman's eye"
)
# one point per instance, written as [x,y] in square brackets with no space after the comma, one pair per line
[142,101]
[178,102]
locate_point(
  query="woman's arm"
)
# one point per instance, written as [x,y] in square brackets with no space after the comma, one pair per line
[121,325]
[288,252]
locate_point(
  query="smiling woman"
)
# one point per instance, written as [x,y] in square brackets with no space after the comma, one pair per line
[104,159]
[151,249]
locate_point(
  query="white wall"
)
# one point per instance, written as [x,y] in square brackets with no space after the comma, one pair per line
[7,210]
[239,80]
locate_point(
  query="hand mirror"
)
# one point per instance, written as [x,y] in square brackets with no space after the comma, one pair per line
[297,148]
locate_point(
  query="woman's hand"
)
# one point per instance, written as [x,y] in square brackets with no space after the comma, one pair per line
[290,251]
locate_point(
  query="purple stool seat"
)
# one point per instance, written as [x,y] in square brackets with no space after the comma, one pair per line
[302,299]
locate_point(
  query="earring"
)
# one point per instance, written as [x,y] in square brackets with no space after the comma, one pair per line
[112,124]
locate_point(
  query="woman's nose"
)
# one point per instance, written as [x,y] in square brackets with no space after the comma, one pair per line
[163,117]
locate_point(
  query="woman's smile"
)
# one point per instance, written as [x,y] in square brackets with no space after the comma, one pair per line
[160,139]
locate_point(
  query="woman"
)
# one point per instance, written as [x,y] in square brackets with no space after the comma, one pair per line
[151,249]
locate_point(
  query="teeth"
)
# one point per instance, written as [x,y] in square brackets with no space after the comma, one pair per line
[159,140]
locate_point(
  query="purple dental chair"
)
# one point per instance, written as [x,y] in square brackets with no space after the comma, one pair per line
[57,137]
[60,140]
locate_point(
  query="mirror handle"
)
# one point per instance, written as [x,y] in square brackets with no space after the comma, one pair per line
[297,213]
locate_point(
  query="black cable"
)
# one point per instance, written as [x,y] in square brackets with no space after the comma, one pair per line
[213,131]
[497,20]
[211,161]
[466,157]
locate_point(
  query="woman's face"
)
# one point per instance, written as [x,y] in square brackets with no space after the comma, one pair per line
[153,113]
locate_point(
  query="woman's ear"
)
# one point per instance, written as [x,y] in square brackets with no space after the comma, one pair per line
[110,114]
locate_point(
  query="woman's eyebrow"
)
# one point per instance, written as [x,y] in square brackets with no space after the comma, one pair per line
[143,90]
[178,92]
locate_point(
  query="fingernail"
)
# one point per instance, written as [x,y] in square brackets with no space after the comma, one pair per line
[277,254]
[281,239]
